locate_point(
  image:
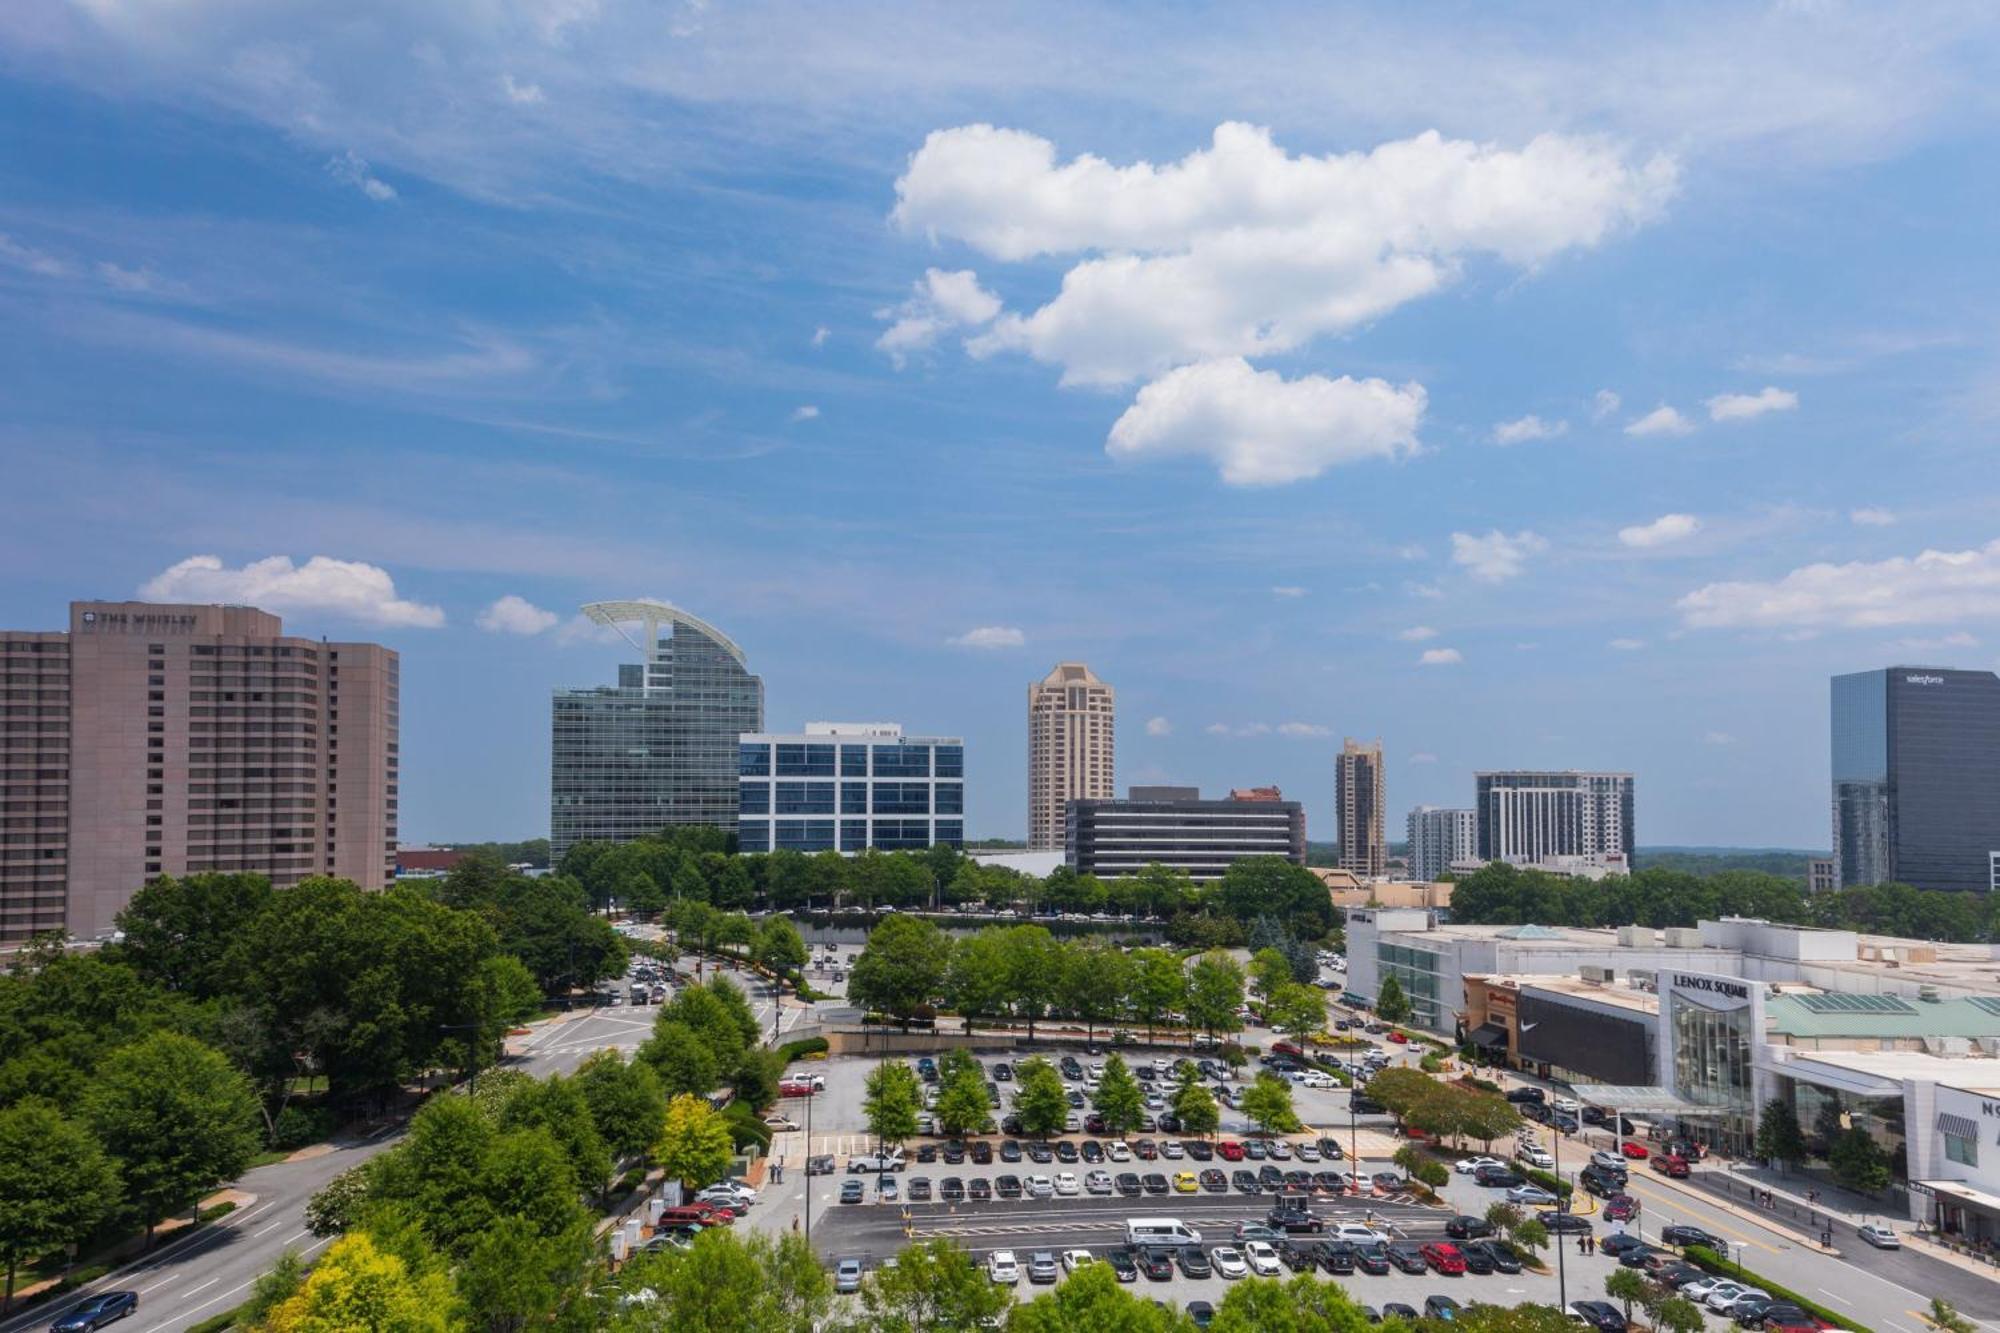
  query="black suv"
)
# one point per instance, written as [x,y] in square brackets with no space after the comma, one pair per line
[1366,1105]
[1157,1265]
[1194,1262]
[1680,1235]
[1336,1257]
[1007,1187]
[1519,1096]
[1295,1221]
[1372,1258]
[1497,1177]
[1497,1253]
[1467,1227]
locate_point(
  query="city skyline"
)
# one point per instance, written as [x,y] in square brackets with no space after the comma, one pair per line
[1616,481]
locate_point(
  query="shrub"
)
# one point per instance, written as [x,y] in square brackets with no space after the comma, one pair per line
[1558,1187]
[800,1050]
[297,1126]
[745,1129]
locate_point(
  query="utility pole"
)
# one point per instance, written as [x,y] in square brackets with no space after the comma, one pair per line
[1562,1207]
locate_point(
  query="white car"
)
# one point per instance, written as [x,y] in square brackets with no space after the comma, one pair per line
[1315,1078]
[1356,1234]
[1701,1289]
[782,1123]
[1003,1268]
[1075,1259]
[1097,1182]
[1228,1261]
[1610,1161]
[1534,1154]
[1471,1164]
[1172,1150]
[1262,1258]
[1072,1123]
[1117,1151]
[727,1191]
[1308,1152]
[1569,1104]
[1066,1182]
[1881,1237]
[1040,1187]
[1729,1303]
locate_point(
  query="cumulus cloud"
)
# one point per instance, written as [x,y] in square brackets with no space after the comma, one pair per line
[1261,429]
[1495,557]
[1417,634]
[1932,588]
[1303,730]
[348,589]
[1871,517]
[350,168]
[1423,757]
[820,335]
[941,302]
[516,615]
[1287,590]
[1744,406]
[1243,249]
[804,412]
[1159,726]
[1530,427]
[1662,420]
[521,94]
[1604,404]
[989,636]
[1238,732]
[1718,738]
[1627,645]
[1440,657]
[1661,531]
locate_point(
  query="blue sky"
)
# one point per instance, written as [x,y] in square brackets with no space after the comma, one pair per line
[1299,367]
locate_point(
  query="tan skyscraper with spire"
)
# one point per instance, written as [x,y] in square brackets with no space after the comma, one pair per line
[1358,802]
[1070,749]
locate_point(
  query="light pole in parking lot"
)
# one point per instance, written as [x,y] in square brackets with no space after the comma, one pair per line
[1562,1207]
[811,1097]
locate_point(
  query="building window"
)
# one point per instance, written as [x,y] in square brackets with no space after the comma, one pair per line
[951,798]
[951,832]
[756,798]
[753,835]
[853,798]
[753,761]
[805,761]
[902,761]
[805,835]
[804,798]
[902,798]
[853,835]
[1964,1151]
[906,835]
[951,761]
[854,761]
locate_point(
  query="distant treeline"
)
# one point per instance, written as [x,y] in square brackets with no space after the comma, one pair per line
[530,851]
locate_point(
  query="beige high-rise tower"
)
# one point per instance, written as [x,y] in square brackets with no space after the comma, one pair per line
[1357,798]
[1070,749]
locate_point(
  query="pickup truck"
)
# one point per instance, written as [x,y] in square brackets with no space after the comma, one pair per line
[887,1161]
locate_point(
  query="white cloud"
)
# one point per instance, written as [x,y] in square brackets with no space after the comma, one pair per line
[1718,738]
[345,588]
[804,412]
[1261,429]
[516,615]
[521,94]
[943,301]
[1428,591]
[1871,517]
[1304,730]
[1417,634]
[820,335]
[1626,645]
[1933,588]
[1247,729]
[1287,590]
[1440,657]
[1243,249]
[38,262]
[989,636]
[1411,551]
[1495,557]
[1528,428]
[1159,726]
[1604,404]
[1662,420]
[1941,643]
[1743,406]
[1423,757]
[350,168]
[1662,530]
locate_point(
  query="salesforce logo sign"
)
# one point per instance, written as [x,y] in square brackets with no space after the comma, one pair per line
[1923,680]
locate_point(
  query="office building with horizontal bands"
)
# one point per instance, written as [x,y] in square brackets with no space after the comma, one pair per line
[1440,839]
[1529,818]
[1358,802]
[658,748]
[151,740]
[1176,828]
[1916,778]
[1072,748]
[850,786]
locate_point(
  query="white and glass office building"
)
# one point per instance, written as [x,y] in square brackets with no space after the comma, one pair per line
[849,786]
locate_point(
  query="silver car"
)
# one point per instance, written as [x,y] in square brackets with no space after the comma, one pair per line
[847,1275]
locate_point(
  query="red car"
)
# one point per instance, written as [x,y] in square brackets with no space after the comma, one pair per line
[1636,1151]
[1229,1150]
[1399,1039]
[1667,1164]
[1621,1208]
[1286,1048]
[797,1087]
[1444,1259]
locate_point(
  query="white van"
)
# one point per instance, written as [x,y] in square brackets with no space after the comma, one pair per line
[1159,1231]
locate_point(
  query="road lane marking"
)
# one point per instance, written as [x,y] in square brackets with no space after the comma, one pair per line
[267,1230]
[161,1283]
[203,1287]
[1842,1299]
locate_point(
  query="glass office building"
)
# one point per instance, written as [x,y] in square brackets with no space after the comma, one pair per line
[1916,777]
[847,787]
[658,748]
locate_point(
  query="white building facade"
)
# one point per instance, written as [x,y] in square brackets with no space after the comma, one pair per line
[849,787]
[1440,838]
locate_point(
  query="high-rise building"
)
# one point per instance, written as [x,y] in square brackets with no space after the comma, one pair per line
[1357,798]
[1440,838]
[659,747]
[1916,778]
[849,786]
[1070,749]
[1569,817]
[1822,874]
[1174,827]
[153,740]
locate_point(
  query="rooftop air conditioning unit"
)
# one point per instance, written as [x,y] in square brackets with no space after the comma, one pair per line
[1683,937]
[1602,976]
[1928,994]
[1636,937]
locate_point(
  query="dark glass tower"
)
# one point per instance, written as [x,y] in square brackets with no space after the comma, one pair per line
[1916,777]
[659,748]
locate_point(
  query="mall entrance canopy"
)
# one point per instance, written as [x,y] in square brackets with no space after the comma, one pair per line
[1636,1100]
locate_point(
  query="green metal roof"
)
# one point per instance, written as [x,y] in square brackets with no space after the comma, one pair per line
[1829,1015]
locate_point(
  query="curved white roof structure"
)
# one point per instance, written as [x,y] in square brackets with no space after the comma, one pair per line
[653,613]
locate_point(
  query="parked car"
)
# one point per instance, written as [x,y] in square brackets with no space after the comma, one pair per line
[1686,1235]
[1499,1178]
[1123,1265]
[1600,1315]
[1880,1236]
[1444,1259]
[1042,1267]
[1560,1223]
[1003,1268]
[1634,1149]
[1498,1253]
[1441,1307]
[1262,1257]
[1193,1262]
[847,1275]
[1530,1195]
[1670,1164]
[851,1191]
[1408,1256]
[1467,1166]
[1467,1227]
[1228,1262]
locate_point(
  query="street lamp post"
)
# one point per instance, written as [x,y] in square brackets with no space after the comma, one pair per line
[1354,1140]
[810,1099]
[1562,1207]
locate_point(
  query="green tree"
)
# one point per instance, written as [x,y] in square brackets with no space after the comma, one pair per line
[892,1101]
[1945,1317]
[514,1278]
[1488,1116]
[1297,1011]
[1503,1217]
[1678,1314]
[1270,969]
[1034,973]
[724,1283]
[1530,1235]
[1858,1161]
[976,979]
[1157,986]
[1268,1102]
[1399,1088]
[901,970]
[1118,1098]
[1628,1287]
[626,1100]
[1302,1305]
[271,1289]
[694,1145]
[1779,1137]
[1390,1002]
[558,1108]
[962,1104]
[1041,1102]
[56,1185]
[1194,1106]
[176,1117]
[1095,977]
[681,1060]
[934,1286]
[358,1286]
[1215,993]
[779,946]
[1091,1301]
[185,934]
